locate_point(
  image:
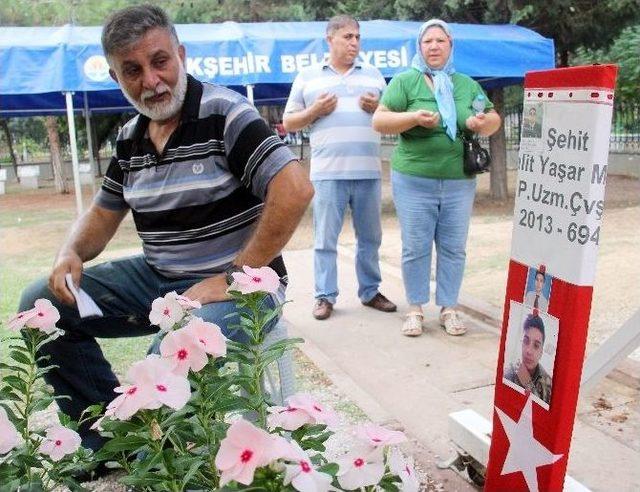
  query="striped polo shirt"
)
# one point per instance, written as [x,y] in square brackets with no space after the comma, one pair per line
[196,205]
[343,143]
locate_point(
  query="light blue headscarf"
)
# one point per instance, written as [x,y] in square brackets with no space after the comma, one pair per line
[443,86]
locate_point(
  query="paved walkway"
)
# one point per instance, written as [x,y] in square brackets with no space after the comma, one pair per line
[418,382]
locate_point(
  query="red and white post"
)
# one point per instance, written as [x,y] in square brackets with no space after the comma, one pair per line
[558,210]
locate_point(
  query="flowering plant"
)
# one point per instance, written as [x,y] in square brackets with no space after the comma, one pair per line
[31,458]
[197,415]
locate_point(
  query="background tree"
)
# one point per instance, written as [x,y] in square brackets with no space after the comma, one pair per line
[8,139]
[581,29]
[59,177]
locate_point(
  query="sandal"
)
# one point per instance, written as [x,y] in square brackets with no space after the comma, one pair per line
[451,322]
[412,326]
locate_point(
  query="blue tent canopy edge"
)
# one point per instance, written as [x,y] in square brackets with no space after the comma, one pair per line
[38,64]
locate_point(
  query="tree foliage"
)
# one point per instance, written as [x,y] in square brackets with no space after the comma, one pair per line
[624,52]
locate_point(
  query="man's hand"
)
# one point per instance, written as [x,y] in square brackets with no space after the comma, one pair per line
[66,262]
[212,289]
[476,123]
[368,102]
[427,119]
[324,104]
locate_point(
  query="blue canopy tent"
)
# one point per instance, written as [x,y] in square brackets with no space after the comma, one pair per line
[49,70]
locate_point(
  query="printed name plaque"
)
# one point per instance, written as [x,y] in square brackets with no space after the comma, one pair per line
[562,172]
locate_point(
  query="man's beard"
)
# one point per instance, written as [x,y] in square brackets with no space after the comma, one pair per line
[161,111]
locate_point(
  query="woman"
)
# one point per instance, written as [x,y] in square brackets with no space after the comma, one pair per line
[430,106]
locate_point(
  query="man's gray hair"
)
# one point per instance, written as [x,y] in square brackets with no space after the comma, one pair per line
[339,21]
[127,26]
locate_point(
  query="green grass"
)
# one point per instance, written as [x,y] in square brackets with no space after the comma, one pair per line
[45,230]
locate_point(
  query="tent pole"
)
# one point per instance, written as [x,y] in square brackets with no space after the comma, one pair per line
[74,151]
[92,161]
[249,88]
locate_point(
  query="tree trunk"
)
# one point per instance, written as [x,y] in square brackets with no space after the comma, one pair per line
[498,150]
[56,156]
[564,58]
[7,134]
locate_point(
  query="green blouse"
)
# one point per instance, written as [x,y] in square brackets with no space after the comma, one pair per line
[429,152]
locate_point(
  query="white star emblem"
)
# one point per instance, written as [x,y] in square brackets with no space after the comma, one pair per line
[525,453]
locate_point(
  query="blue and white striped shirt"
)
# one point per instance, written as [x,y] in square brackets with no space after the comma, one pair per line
[343,143]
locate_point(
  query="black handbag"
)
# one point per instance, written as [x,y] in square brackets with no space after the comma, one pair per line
[476,159]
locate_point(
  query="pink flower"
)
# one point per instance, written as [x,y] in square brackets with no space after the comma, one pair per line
[361,468]
[154,374]
[262,279]
[377,436]
[321,414]
[184,301]
[43,317]
[209,335]
[404,469]
[301,409]
[152,385]
[288,418]
[184,351]
[18,321]
[59,442]
[244,449]
[132,399]
[300,473]
[166,311]
[8,433]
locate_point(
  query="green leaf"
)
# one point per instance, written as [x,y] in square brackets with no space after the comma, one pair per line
[11,368]
[126,443]
[330,468]
[40,404]
[15,382]
[193,469]
[7,393]
[20,357]
[11,414]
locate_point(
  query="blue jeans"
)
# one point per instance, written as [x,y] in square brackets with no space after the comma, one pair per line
[329,205]
[124,289]
[433,210]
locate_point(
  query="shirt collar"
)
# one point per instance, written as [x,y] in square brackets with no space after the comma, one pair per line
[357,64]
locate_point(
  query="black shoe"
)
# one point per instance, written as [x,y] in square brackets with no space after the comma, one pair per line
[381,303]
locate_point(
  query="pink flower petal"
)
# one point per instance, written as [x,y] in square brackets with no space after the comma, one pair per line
[18,321]
[321,414]
[263,279]
[288,418]
[59,442]
[166,312]
[209,335]
[360,468]
[376,436]
[244,449]
[184,351]
[8,433]
[184,301]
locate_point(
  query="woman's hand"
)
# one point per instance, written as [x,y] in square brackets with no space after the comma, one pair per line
[426,119]
[475,123]
[484,124]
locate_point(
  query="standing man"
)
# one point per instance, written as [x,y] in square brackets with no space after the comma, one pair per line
[210,188]
[336,99]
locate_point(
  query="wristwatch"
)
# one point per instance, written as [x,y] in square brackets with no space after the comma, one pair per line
[229,273]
